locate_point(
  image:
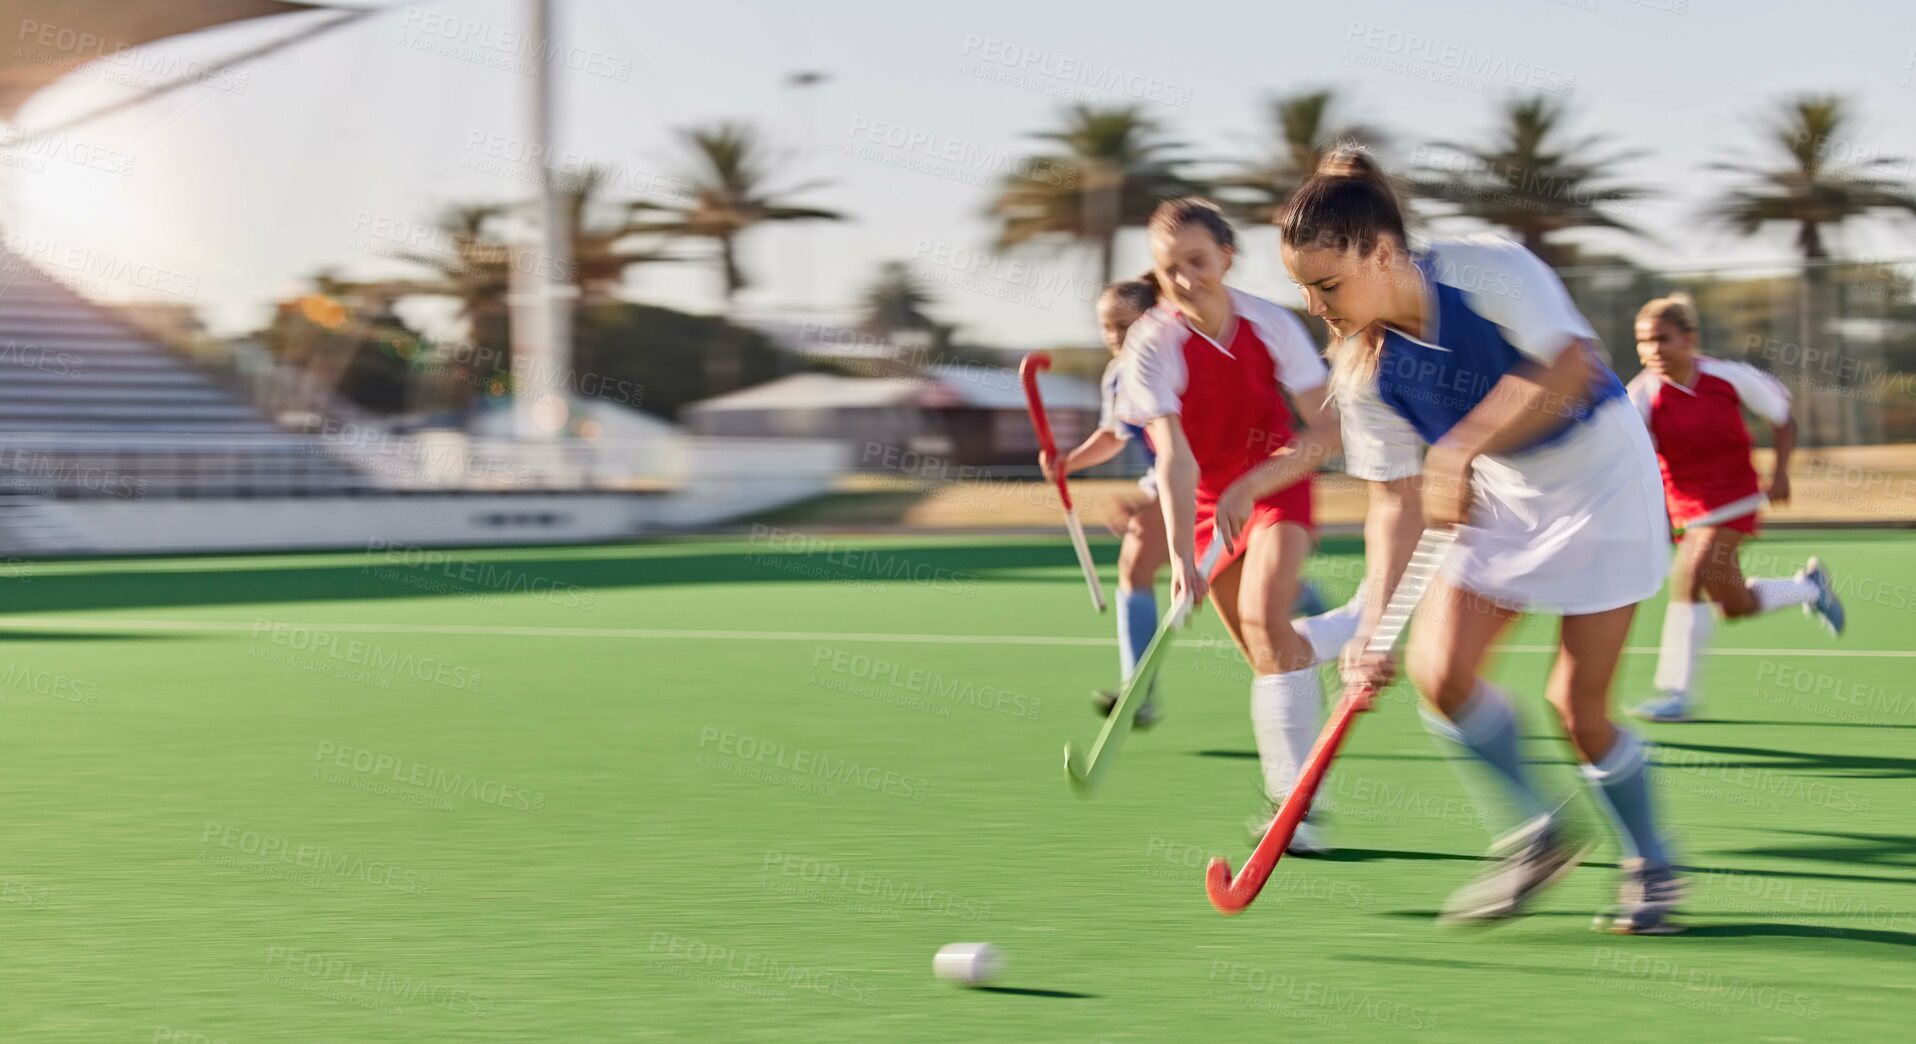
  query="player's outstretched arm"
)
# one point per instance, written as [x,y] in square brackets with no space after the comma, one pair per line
[1177,496]
[1784,442]
[1100,447]
[1392,525]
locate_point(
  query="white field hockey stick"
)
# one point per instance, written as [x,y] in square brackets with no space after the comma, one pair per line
[1734,509]
[1231,895]
[1028,372]
[1086,774]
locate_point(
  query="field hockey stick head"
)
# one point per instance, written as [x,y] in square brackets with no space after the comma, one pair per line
[1028,370]
[1217,885]
[1076,771]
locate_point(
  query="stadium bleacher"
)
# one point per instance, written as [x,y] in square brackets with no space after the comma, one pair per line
[94,408]
[67,364]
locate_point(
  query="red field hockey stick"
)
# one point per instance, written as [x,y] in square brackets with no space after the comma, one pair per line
[1028,372]
[1232,896]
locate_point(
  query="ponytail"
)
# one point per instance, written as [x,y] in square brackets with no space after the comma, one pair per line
[1348,204]
[1140,293]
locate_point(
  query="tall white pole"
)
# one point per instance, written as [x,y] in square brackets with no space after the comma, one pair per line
[541,269]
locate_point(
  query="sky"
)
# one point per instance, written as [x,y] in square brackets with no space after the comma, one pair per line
[230,193]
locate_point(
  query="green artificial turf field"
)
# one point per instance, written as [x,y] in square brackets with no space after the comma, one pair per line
[738,790]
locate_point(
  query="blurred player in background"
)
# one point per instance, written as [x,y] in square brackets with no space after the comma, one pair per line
[1206,373]
[1134,518]
[1694,407]
[1473,348]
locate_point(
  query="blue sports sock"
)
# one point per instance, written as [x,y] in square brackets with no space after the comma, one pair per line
[1487,727]
[1622,779]
[1137,623]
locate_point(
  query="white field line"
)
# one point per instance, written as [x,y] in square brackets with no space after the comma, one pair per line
[35,623]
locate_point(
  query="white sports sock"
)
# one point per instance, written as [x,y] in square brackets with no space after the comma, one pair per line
[1775,594]
[1687,627]
[1284,717]
[1328,632]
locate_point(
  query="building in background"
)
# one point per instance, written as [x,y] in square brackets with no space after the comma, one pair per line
[964,416]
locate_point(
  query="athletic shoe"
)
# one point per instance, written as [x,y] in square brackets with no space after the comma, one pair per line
[1667,706]
[1309,601]
[1530,859]
[1103,700]
[1309,839]
[1827,606]
[1645,901]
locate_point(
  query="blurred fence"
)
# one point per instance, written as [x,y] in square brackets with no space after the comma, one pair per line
[1840,335]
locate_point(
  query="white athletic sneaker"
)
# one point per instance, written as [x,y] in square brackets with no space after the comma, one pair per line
[1529,859]
[1310,839]
[1667,706]
[1827,607]
[1645,901]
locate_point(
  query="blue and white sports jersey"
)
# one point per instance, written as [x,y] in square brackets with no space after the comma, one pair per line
[1493,307]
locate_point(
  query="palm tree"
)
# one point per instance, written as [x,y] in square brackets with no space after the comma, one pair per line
[604,243]
[895,301]
[471,266]
[731,193]
[732,169]
[895,316]
[1114,168]
[1303,127]
[1799,182]
[475,259]
[1534,178]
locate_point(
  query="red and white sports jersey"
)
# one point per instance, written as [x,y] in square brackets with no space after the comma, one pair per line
[1229,398]
[1702,444]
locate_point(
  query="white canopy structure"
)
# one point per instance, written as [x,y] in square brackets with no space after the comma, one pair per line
[54,37]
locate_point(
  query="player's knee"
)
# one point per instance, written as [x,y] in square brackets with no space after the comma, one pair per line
[1136,571]
[1441,682]
[1276,648]
[1295,656]
[1262,655]
[1266,663]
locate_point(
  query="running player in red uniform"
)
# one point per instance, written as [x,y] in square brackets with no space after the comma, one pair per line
[1138,520]
[1207,373]
[1694,406]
